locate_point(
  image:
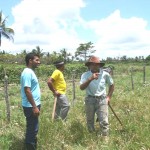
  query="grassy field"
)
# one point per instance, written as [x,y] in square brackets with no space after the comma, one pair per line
[131,106]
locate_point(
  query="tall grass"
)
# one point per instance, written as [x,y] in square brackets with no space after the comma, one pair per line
[131,106]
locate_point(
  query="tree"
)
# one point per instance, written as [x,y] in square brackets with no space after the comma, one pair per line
[55,56]
[2,52]
[20,57]
[124,58]
[148,58]
[64,54]
[85,50]
[136,58]
[5,31]
[38,51]
[47,58]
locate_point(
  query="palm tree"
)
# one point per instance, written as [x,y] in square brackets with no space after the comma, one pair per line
[64,54]
[38,51]
[5,31]
[55,56]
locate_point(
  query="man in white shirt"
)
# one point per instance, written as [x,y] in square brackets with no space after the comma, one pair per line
[96,101]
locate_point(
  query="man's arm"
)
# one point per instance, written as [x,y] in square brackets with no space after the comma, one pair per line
[110,92]
[31,100]
[50,85]
[87,82]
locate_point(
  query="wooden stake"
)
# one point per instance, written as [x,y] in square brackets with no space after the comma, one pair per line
[54,108]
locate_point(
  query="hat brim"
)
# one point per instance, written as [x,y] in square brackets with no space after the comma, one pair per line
[101,64]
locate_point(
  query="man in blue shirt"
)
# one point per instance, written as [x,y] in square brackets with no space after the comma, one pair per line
[96,101]
[31,95]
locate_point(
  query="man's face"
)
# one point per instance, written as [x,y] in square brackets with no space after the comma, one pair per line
[35,62]
[94,67]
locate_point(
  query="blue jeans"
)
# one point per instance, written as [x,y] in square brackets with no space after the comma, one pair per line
[32,126]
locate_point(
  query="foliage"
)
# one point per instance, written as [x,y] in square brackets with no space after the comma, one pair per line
[64,54]
[85,50]
[131,106]
[5,31]
[38,51]
[148,58]
[7,58]
[13,71]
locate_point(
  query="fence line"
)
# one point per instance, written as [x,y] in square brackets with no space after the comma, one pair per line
[6,96]
[132,82]
[144,74]
[111,72]
[73,80]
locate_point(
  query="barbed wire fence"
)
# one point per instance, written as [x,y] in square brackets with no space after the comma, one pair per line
[132,76]
[6,96]
[144,78]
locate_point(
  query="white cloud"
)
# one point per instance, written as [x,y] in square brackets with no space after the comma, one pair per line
[54,25]
[47,23]
[121,36]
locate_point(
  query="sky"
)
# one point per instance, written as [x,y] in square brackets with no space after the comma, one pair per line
[115,27]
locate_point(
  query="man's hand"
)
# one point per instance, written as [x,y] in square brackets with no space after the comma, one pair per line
[85,84]
[108,99]
[57,94]
[95,76]
[36,111]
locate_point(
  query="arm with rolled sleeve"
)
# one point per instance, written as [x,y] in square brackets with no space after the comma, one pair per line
[85,81]
[110,82]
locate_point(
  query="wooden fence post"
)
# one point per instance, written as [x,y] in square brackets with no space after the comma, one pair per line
[132,78]
[6,96]
[73,87]
[144,73]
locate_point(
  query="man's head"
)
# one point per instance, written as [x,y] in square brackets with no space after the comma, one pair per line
[59,65]
[32,60]
[94,64]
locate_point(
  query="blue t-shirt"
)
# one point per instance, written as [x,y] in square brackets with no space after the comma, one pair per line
[29,79]
[97,87]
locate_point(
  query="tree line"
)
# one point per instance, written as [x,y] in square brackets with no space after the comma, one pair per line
[82,53]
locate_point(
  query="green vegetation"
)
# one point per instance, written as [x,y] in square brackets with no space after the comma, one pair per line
[85,50]
[131,106]
[5,31]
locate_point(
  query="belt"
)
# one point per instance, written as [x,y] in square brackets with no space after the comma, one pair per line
[94,96]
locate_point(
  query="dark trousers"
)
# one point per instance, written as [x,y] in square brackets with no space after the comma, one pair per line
[32,126]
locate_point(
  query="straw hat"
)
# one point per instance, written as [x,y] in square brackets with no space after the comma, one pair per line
[94,59]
